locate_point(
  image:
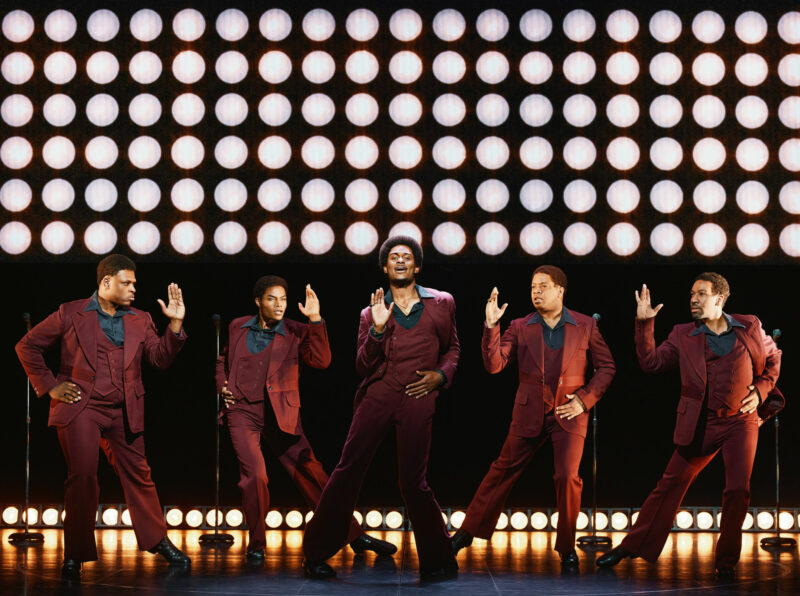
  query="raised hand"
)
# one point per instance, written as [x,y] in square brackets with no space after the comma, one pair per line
[493,312]
[175,311]
[66,392]
[380,312]
[643,308]
[311,307]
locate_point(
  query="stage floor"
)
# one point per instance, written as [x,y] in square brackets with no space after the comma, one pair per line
[511,563]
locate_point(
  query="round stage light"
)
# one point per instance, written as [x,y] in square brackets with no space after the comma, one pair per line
[144,152]
[187,195]
[110,516]
[274,67]
[751,69]
[623,196]
[17,68]
[536,196]
[666,153]
[394,520]
[319,24]
[361,109]
[274,152]
[579,153]
[449,238]
[361,152]
[536,153]
[684,520]
[709,239]
[580,239]
[492,153]
[536,238]
[274,518]
[100,237]
[752,111]
[449,195]
[708,111]
[17,152]
[186,238]
[144,109]
[405,67]
[449,109]
[622,68]
[623,239]
[18,26]
[230,152]
[765,520]
[361,195]
[406,152]
[751,27]
[405,109]
[786,520]
[362,24]
[174,517]
[317,152]
[145,67]
[317,238]
[15,238]
[619,520]
[275,24]
[318,67]
[273,239]
[709,154]
[789,69]
[59,68]
[708,69]
[187,152]
[188,67]
[405,195]
[59,109]
[666,196]
[231,109]
[189,24]
[579,110]
[214,517]
[667,240]
[790,240]
[448,153]
[234,518]
[579,68]
[752,240]
[708,26]
[789,27]
[143,239]
[230,195]
[789,155]
[666,111]
[146,25]
[188,109]
[601,521]
[492,238]
[361,67]
[15,195]
[492,25]
[102,67]
[492,195]
[449,24]
[100,195]
[374,518]
[361,238]
[665,68]
[579,196]
[144,195]
[101,109]
[274,109]
[103,25]
[583,521]
[535,25]
[406,228]
[579,25]
[231,67]
[622,25]
[536,67]
[230,238]
[232,24]
[622,110]
[50,516]
[538,521]
[16,110]
[194,518]
[60,25]
[492,67]
[623,153]
[58,195]
[405,24]
[317,195]
[709,196]
[752,154]
[59,152]
[789,197]
[535,110]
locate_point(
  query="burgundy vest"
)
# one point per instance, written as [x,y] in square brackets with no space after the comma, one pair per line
[728,377]
[552,373]
[411,350]
[251,371]
[110,373]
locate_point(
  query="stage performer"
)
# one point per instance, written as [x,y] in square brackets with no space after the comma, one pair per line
[554,348]
[407,352]
[97,398]
[728,366]
[257,376]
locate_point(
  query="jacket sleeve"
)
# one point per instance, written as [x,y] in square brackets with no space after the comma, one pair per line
[604,369]
[315,350]
[769,376]
[498,351]
[451,350]
[369,354]
[654,360]
[161,351]
[30,350]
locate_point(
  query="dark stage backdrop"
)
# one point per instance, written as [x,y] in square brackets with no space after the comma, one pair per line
[636,415]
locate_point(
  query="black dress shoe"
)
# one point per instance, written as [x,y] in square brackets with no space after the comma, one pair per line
[461,539]
[255,554]
[570,559]
[614,556]
[439,574]
[726,573]
[173,555]
[366,542]
[318,570]
[71,569]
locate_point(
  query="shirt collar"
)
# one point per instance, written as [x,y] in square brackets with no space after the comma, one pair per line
[565,318]
[94,304]
[255,326]
[421,292]
[703,328]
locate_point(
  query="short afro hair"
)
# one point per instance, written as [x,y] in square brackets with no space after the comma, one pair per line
[557,275]
[390,243]
[268,281]
[113,264]
[719,285]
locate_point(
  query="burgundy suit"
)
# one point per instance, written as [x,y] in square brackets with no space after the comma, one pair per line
[110,413]
[708,421]
[388,363]
[534,419]
[274,372]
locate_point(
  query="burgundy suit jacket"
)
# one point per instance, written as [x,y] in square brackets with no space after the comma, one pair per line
[686,351]
[281,379]
[76,330]
[373,352]
[525,344]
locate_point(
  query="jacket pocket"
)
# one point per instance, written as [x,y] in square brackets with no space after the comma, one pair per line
[522,396]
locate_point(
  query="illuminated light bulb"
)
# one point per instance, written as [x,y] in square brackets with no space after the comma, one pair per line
[317,195]
[361,238]
[317,152]
[708,154]
[59,109]
[684,520]
[583,521]
[394,520]
[789,69]
[143,239]
[318,24]
[232,24]
[535,25]
[373,518]
[449,238]
[579,153]
[274,519]
[274,152]
[60,68]
[187,195]
[274,109]
[666,68]
[579,25]
[405,67]
[752,240]
[144,195]
[273,239]
[15,195]
[709,196]
[518,520]
[708,111]
[789,197]
[144,109]
[100,237]
[667,240]
[579,68]
[230,152]
[634,517]
[188,24]
[666,111]
[174,517]
[789,155]
[789,27]
[579,110]
[17,152]
[318,67]
[751,27]
[406,152]
[230,195]
[230,238]
[362,24]
[536,238]
[234,518]
[274,67]
[622,68]
[580,196]
[361,67]
[492,25]
[187,152]
[449,195]
[405,195]
[58,195]
[102,67]
[752,111]
[50,516]
[100,195]
[623,153]
[790,240]
[492,67]
[765,520]
[194,518]
[449,24]
[623,239]
[361,195]
[145,67]
[622,25]
[186,238]
[405,109]
[60,25]
[18,26]
[666,154]
[361,109]
[708,26]
[448,153]
[623,196]
[317,238]
[752,154]
[15,238]
[146,25]
[102,109]
[536,153]
[406,228]
[449,67]
[59,152]
[214,517]
[622,110]
[188,67]
[57,238]
[666,196]
[619,521]
[492,153]
[110,517]
[786,520]
[32,514]
[709,240]
[536,67]
[16,110]
[492,195]
[231,67]
[535,110]
[275,24]
[708,69]
[361,152]
[231,109]
[751,69]
[492,238]
[538,520]
[102,25]
[17,68]
[580,239]
[536,196]
[405,24]
[188,109]
[601,522]
[144,152]
[449,109]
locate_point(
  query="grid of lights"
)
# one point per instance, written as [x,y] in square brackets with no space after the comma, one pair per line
[523,133]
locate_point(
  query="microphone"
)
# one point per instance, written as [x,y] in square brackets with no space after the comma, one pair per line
[596,316]
[776,333]
[216,320]
[26,316]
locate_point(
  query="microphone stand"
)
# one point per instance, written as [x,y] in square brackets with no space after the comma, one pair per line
[25,538]
[216,537]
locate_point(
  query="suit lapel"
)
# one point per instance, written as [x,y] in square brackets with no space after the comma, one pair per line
[280,346]
[86,327]
[535,341]
[695,349]
[134,335]
[754,348]
[572,336]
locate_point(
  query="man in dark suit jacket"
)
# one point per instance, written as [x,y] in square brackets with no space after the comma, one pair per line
[728,366]
[553,347]
[97,398]
[407,351]
[261,360]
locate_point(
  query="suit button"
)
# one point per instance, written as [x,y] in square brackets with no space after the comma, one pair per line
[380,370]
[93,378]
[269,388]
[560,382]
